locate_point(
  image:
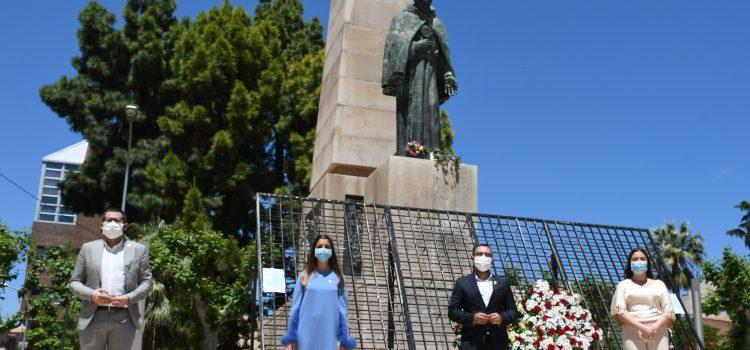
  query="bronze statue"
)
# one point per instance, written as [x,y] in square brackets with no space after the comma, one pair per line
[417,70]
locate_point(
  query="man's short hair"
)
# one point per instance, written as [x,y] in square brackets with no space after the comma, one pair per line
[480,245]
[115,210]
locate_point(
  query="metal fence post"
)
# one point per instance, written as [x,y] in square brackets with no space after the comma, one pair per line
[258,252]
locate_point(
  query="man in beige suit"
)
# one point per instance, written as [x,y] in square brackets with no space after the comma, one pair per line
[111,276]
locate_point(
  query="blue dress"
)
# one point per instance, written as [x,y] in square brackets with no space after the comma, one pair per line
[318,320]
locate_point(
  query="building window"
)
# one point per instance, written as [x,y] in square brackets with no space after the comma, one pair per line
[51,208]
[41,251]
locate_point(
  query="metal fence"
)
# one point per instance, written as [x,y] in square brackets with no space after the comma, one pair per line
[400,265]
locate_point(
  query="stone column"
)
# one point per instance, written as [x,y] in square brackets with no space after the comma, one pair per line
[356,129]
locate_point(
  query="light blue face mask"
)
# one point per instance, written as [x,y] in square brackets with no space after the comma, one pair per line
[323,254]
[639,267]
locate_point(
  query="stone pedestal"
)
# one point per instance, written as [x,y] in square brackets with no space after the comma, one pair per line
[356,128]
[420,183]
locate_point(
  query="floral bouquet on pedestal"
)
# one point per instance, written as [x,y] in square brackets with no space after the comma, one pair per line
[415,150]
[552,320]
[442,159]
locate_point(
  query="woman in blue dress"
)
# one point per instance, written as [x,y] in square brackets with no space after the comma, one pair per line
[319,319]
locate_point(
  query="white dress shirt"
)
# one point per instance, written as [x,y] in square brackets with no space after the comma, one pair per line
[113,269]
[485,288]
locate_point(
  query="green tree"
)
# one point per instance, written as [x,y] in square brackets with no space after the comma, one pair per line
[743,231]
[712,338]
[228,102]
[202,282]
[731,277]
[446,133]
[245,121]
[681,250]
[13,249]
[116,67]
[54,309]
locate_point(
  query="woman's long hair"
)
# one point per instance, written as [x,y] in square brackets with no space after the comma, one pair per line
[312,262]
[629,271]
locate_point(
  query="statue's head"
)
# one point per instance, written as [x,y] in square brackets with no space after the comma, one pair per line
[425,4]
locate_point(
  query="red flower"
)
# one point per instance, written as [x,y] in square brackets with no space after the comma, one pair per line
[537,309]
[596,336]
[551,347]
[548,304]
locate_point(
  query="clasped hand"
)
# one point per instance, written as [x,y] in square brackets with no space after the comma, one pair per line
[424,45]
[482,318]
[647,332]
[101,297]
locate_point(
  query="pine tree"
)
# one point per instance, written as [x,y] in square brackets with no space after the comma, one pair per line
[228,103]
[246,119]
[116,67]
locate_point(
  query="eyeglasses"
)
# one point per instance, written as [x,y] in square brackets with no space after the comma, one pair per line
[489,255]
[119,221]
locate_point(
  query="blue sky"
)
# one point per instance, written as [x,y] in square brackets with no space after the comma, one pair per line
[625,113]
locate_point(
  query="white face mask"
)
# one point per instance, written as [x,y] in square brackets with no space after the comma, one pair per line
[112,230]
[482,263]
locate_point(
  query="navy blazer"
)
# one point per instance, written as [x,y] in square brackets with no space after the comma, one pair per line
[466,300]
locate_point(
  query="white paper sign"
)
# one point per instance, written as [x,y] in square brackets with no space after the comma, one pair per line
[274,281]
[676,306]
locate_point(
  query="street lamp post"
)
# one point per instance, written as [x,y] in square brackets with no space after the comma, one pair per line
[26,315]
[60,303]
[130,112]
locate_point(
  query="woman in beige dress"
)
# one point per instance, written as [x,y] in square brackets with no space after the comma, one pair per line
[642,306]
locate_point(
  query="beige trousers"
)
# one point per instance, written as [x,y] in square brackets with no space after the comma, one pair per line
[110,330]
[632,340]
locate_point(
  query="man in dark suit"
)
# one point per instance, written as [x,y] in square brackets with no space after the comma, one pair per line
[483,304]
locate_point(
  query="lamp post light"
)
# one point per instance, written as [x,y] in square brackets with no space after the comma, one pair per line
[130,113]
[26,315]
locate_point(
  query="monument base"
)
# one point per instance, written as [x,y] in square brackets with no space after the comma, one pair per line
[338,187]
[422,183]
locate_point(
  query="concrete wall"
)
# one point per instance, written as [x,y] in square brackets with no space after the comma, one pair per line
[356,129]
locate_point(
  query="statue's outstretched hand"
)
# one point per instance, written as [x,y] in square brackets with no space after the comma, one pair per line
[451,85]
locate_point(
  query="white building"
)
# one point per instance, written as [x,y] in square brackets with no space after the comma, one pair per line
[55,168]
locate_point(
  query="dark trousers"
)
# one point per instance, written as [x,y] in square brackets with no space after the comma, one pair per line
[480,342]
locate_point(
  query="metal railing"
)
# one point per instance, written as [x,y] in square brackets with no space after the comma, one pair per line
[400,265]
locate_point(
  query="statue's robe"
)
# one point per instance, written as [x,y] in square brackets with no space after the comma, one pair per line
[417,80]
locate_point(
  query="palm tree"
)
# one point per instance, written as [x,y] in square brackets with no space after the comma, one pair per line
[743,231]
[681,250]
